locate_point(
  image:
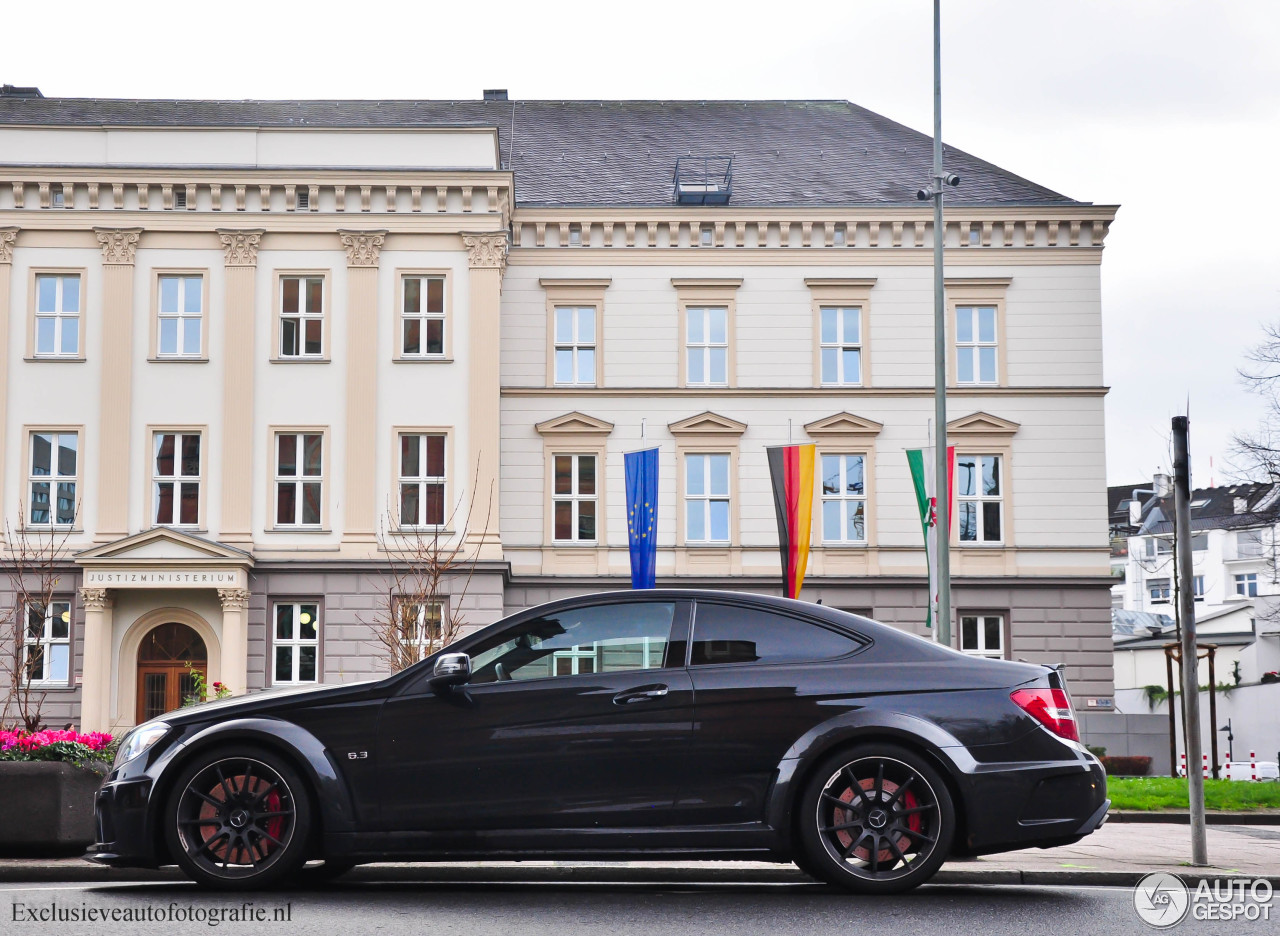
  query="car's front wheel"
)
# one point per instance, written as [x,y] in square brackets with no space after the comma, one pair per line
[238,818]
[876,819]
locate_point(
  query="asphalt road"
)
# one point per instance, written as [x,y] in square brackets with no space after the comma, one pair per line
[687,906]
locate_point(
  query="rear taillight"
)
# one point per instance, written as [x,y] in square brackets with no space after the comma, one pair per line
[1051,708]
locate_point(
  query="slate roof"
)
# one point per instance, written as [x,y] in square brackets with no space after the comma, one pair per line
[621,153]
[1217,512]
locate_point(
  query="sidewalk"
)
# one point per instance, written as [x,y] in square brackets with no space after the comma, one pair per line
[1118,855]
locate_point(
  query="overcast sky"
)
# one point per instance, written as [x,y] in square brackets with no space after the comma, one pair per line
[1169,108]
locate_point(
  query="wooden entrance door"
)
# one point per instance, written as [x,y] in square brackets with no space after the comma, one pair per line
[165,660]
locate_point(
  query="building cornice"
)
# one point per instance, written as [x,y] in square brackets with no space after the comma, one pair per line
[813,392]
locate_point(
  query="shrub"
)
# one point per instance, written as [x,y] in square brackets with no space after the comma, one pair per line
[1121,766]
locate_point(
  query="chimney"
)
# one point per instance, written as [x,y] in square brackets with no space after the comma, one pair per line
[1240,505]
[495,94]
[1163,485]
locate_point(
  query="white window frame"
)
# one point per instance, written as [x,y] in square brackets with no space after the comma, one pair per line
[842,498]
[178,479]
[299,479]
[1246,584]
[1197,587]
[54,479]
[304,315]
[62,318]
[577,347]
[706,350]
[1250,544]
[422,480]
[982,650]
[1159,590]
[979,499]
[295,643]
[180,315]
[702,502]
[974,347]
[46,641]
[836,348]
[575,498]
[423,316]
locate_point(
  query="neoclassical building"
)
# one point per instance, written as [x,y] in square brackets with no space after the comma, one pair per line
[244,346]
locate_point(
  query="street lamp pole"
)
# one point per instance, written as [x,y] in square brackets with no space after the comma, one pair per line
[942,480]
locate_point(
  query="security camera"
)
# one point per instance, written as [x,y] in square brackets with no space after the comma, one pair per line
[951,179]
[925,194]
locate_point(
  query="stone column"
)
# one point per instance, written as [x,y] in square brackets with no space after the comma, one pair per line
[95,667]
[487,259]
[8,237]
[360,512]
[119,246]
[235,639]
[240,275]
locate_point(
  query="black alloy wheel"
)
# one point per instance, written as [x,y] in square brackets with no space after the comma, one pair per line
[238,819]
[876,820]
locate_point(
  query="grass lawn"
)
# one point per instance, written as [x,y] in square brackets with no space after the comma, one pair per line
[1148,793]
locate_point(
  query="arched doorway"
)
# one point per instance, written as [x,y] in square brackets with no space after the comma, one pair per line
[166,657]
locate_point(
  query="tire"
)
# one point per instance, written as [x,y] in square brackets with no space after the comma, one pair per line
[257,841]
[898,805]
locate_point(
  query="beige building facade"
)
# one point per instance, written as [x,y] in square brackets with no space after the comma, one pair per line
[243,347]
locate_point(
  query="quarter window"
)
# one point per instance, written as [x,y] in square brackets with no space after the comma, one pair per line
[844,499]
[841,341]
[52,482]
[422,479]
[47,647]
[423,328]
[728,634]
[299,478]
[980,501]
[580,641]
[176,479]
[301,316]
[706,502]
[575,346]
[982,635]
[297,642]
[57,315]
[574,501]
[707,346]
[976,344]
[180,314]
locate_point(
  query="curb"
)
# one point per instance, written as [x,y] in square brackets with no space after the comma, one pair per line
[597,874]
[1182,818]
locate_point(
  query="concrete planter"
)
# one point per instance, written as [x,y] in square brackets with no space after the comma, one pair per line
[46,807]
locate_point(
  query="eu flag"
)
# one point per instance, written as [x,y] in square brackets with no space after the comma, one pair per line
[642,515]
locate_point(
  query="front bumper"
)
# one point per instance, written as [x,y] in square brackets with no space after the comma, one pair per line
[125,837]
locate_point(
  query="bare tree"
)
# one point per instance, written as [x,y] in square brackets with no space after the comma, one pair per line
[33,567]
[428,577]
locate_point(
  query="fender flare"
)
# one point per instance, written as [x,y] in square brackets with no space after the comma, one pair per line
[308,754]
[952,757]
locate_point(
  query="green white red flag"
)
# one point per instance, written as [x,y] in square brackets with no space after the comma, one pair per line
[923,477]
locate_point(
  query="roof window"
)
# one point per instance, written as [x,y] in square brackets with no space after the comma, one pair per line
[703,180]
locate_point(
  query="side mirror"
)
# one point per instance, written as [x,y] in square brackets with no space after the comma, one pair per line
[451,669]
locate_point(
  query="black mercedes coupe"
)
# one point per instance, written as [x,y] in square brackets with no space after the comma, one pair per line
[664,724]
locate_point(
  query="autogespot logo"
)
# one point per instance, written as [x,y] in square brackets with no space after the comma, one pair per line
[1161,899]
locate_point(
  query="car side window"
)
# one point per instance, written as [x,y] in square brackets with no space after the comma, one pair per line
[727,634]
[579,641]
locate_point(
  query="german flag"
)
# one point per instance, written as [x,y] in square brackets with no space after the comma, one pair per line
[791,469]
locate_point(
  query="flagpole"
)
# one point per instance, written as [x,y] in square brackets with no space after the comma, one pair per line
[942,482]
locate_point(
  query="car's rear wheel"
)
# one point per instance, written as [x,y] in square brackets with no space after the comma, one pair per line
[876,819]
[238,818]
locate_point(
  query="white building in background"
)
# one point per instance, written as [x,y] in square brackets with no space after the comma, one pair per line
[240,342]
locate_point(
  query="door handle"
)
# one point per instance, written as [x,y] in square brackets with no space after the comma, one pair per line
[643,694]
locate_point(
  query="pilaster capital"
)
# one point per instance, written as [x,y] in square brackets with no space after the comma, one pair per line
[487,250]
[234,599]
[95,599]
[240,246]
[363,247]
[119,245]
[8,237]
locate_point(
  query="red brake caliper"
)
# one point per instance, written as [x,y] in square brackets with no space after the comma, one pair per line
[862,852]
